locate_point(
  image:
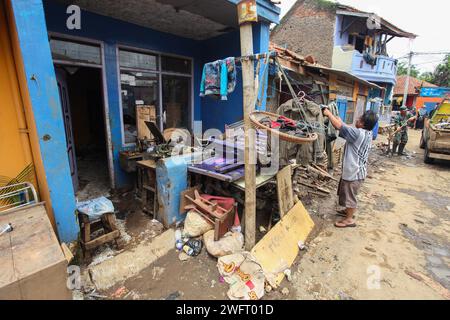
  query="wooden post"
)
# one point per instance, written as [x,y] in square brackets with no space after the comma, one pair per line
[248,80]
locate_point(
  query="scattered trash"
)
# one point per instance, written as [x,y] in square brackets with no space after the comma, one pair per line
[179,245]
[119,293]
[174,296]
[343,296]
[288,275]
[124,236]
[301,246]
[213,283]
[285,291]
[237,224]
[262,229]
[268,288]
[244,275]
[7,229]
[195,225]
[221,279]
[106,254]
[193,247]
[95,208]
[232,242]
[183,256]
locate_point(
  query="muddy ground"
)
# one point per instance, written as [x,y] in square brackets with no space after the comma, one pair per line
[403,227]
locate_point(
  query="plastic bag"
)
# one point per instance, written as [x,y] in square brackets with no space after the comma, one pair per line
[195,225]
[232,242]
[244,274]
[96,208]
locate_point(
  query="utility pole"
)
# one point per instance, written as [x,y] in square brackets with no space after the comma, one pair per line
[405,93]
[247,15]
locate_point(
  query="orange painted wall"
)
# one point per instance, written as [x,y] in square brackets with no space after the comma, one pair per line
[19,146]
[420,102]
[15,148]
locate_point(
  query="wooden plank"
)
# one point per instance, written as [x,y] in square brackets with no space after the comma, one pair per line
[143,114]
[321,172]
[284,189]
[147,164]
[260,181]
[102,239]
[184,201]
[315,187]
[278,249]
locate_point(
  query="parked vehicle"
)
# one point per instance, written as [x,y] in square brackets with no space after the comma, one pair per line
[436,134]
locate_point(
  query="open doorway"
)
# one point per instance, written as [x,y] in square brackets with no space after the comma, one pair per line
[81,94]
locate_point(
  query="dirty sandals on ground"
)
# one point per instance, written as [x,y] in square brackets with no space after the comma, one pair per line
[343,225]
[342,213]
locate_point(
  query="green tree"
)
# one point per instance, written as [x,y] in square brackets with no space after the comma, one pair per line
[441,75]
[427,76]
[403,70]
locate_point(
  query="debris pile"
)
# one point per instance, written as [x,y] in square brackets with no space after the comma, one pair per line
[313,181]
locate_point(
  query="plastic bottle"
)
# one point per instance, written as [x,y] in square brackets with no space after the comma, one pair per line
[188,250]
[177,235]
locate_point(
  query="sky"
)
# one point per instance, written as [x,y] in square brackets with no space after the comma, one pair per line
[429,19]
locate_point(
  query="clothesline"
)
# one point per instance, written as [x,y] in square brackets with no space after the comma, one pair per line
[258,56]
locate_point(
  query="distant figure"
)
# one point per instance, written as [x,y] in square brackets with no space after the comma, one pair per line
[356,157]
[401,130]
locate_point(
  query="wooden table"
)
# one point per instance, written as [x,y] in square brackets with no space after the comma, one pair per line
[146,182]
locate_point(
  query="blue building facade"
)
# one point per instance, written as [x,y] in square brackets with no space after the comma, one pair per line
[360,47]
[39,21]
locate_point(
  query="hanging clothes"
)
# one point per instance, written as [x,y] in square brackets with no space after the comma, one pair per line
[219,78]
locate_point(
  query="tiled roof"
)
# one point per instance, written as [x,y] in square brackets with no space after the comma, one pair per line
[414,85]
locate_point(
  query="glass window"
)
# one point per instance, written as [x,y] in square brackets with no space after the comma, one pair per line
[135,60]
[75,51]
[178,65]
[138,88]
[176,92]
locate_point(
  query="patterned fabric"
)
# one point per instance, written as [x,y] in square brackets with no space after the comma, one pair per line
[356,154]
[219,78]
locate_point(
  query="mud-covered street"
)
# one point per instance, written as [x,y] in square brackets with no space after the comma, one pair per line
[400,248]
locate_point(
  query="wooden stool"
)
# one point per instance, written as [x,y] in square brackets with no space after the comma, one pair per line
[110,232]
[146,183]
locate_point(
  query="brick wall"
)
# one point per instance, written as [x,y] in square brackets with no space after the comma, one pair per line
[308,30]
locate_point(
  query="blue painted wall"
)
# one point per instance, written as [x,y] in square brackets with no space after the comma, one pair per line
[43,91]
[34,18]
[216,113]
[112,32]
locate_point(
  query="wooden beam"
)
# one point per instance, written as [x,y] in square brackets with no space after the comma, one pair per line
[248,81]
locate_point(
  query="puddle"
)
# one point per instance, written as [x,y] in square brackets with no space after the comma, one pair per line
[435,254]
[437,202]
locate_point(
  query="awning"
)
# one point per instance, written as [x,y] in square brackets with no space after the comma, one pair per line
[386,26]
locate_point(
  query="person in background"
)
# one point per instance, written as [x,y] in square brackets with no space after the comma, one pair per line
[401,130]
[355,163]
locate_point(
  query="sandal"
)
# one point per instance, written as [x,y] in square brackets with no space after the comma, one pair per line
[343,226]
[342,213]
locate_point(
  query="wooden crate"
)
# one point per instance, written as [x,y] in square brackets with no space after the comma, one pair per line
[32,263]
[143,114]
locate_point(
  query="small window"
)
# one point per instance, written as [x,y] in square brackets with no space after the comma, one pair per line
[177,65]
[135,60]
[75,52]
